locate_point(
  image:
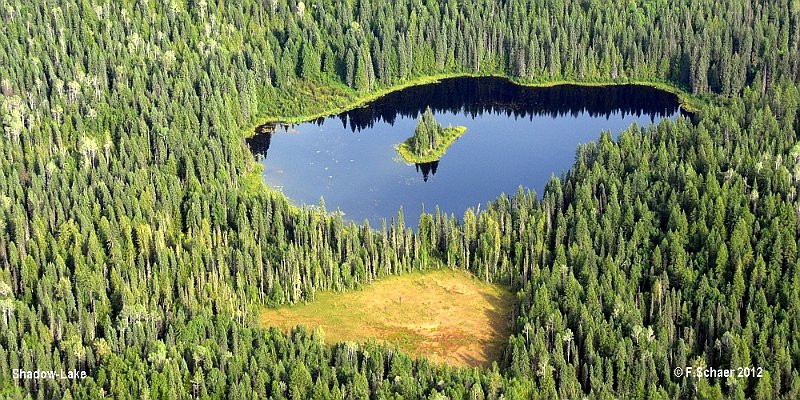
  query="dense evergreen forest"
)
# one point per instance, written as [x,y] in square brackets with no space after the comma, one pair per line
[137,242]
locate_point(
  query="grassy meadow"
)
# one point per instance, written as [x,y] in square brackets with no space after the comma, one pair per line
[445,315]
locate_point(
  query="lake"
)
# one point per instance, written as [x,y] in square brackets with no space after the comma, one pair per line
[516,136]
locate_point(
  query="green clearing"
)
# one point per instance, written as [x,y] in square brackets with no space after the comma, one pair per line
[447,316]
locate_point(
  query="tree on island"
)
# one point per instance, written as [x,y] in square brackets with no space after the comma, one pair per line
[430,140]
[426,136]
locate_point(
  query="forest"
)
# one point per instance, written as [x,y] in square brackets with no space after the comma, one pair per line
[137,242]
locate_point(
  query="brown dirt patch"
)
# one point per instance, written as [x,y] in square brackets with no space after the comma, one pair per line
[446,316]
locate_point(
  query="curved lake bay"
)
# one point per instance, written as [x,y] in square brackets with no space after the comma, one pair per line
[516,136]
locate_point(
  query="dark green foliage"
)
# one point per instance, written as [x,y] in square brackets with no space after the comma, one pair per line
[430,140]
[132,247]
[427,134]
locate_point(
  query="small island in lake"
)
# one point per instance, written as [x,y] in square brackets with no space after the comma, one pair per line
[430,140]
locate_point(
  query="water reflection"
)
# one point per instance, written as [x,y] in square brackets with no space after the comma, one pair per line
[427,169]
[259,143]
[515,136]
[476,96]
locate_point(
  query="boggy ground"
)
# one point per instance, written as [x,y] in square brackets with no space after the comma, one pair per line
[444,315]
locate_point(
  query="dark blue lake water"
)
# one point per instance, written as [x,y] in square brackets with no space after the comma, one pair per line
[515,136]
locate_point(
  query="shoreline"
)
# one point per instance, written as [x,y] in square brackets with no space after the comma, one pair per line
[253,184]
[686,101]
